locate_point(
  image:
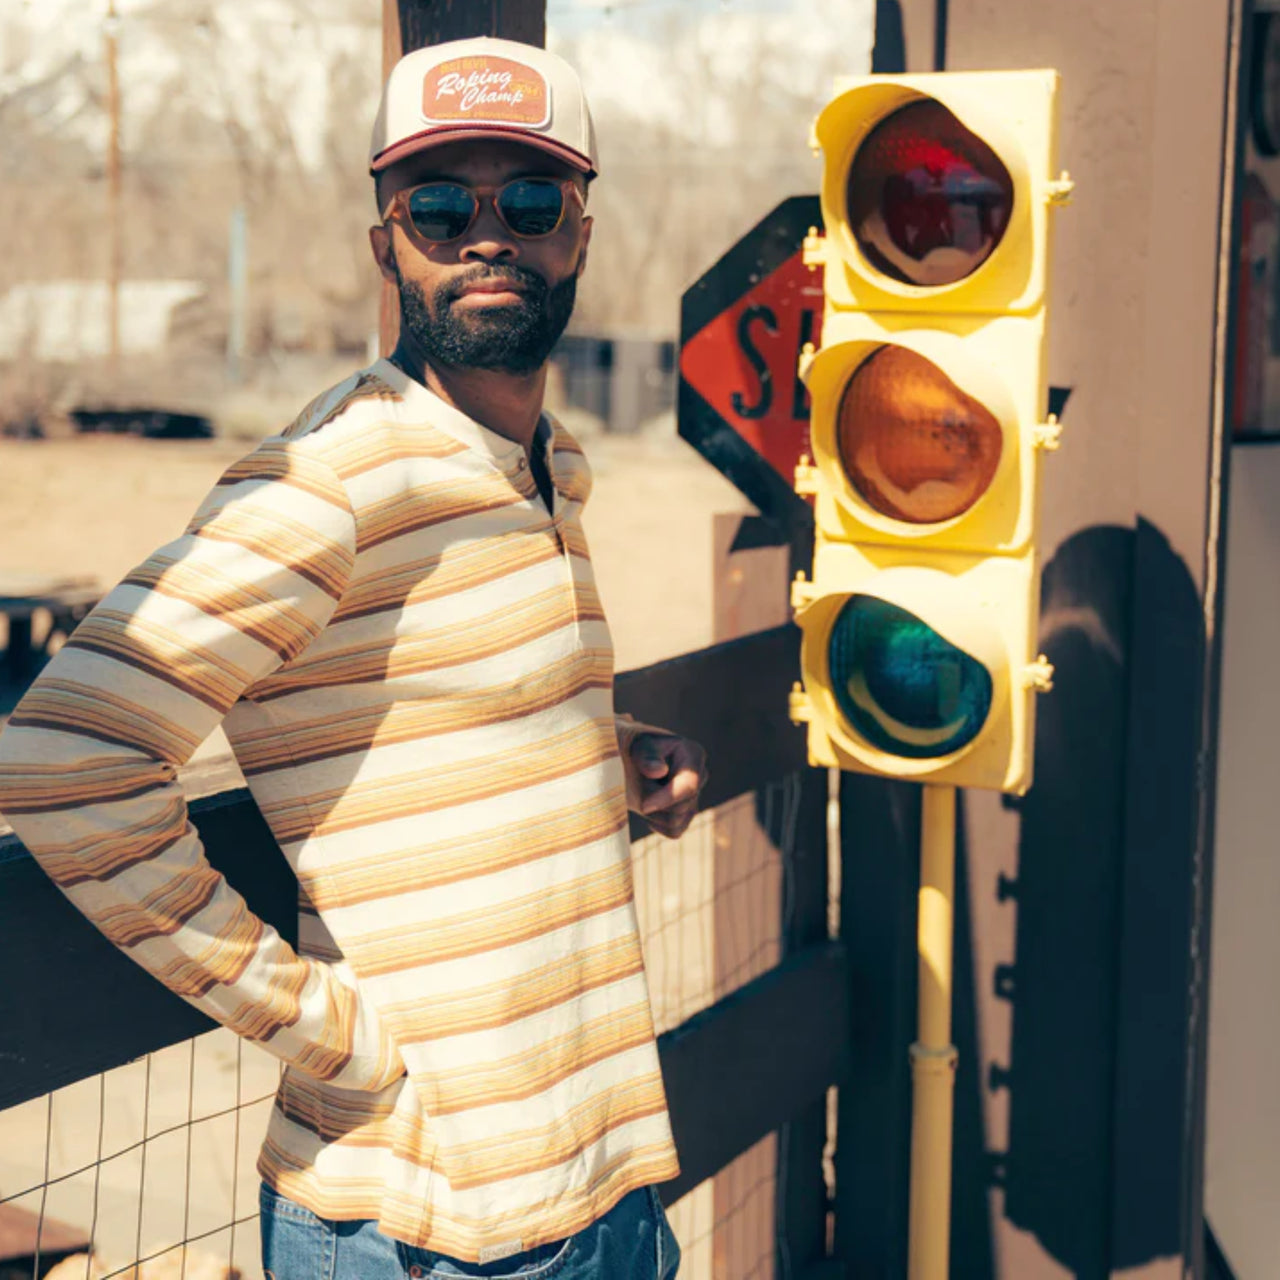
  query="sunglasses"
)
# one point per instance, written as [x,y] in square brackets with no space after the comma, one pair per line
[438,212]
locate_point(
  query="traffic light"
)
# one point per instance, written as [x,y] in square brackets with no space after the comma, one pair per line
[929,423]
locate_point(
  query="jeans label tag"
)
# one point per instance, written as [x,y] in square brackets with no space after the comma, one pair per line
[496,1252]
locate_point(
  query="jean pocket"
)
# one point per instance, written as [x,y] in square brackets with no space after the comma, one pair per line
[296,1245]
[540,1263]
[270,1201]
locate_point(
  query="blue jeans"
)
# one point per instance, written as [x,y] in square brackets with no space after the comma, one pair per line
[633,1241]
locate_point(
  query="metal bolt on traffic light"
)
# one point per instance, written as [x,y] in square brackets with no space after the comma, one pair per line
[928,429]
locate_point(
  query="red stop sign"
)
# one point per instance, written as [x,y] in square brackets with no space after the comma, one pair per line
[744,325]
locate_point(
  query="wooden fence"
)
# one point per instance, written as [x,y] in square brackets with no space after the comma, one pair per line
[757,1062]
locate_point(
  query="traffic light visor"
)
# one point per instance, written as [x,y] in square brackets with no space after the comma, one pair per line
[928,200]
[918,671]
[915,446]
[936,191]
[916,436]
[901,686]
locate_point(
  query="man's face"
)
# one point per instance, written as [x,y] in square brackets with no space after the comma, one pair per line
[490,299]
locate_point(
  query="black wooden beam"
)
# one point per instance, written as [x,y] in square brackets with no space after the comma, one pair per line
[801,1196]
[732,698]
[75,1005]
[734,1073]
[78,1006]
[880,840]
[752,1062]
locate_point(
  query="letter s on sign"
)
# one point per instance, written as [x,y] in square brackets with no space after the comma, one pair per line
[757,362]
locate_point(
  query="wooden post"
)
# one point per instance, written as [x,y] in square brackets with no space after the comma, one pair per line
[414,24]
[770,1204]
[879,837]
[749,588]
[424,22]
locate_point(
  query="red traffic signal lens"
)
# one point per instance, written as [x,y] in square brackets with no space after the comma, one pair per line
[927,199]
[915,446]
[901,686]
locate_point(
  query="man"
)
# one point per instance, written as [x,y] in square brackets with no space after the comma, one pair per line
[391,609]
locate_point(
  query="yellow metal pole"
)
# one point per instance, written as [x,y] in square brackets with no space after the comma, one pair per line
[933,1056]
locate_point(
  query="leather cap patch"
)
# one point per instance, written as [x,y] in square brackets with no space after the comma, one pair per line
[487,90]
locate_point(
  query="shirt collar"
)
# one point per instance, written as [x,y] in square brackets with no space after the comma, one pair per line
[418,405]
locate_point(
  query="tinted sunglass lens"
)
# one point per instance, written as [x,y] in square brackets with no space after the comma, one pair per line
[441,210]
[531,207]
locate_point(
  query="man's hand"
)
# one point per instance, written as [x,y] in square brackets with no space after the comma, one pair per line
[672,772]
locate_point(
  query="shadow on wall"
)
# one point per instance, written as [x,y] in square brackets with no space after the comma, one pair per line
[1099,982]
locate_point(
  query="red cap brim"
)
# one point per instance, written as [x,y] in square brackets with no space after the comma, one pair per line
[440,134]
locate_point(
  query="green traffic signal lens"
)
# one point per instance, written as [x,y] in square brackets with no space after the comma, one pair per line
[901,686]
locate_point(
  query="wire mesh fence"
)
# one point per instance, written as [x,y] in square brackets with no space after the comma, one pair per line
[148,1168]
[148,1171]
[711,903]
[711,917]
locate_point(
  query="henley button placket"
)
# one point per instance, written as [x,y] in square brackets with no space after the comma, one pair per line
[557,530]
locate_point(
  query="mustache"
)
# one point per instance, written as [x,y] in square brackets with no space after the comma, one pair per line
[484,273]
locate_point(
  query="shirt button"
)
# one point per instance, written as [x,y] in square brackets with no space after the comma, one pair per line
[520,466]
[415,1271]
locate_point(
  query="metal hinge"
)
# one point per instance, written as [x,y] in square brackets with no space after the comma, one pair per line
[1059,190]
[1038,675]
[813,252]
[806,481]
[799,707]
[803,591]
[1048,435]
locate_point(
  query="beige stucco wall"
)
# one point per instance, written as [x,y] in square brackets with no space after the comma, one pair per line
[1131,332]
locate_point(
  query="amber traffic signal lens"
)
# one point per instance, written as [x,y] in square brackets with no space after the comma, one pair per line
[901,686]
[928,200]
[914,445]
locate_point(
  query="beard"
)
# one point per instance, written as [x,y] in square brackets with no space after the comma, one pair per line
[514,338]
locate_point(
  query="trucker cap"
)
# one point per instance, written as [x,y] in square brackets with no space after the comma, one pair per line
[483,88]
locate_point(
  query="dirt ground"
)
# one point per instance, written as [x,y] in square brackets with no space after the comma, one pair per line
[99,504]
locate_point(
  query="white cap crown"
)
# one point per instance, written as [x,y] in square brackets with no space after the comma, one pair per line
[483,88]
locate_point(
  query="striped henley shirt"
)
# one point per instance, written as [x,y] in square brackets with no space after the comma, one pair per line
[408,654]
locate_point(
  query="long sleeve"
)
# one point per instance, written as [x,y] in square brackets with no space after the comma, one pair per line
[89,759]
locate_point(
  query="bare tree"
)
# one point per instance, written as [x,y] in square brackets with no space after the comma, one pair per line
[268,107]
[680,186]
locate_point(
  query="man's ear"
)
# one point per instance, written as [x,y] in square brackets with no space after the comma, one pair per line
[587,223]
[384,253]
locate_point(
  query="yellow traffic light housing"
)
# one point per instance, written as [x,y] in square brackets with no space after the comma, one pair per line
[919,671]
[993,131]
[928,427]
[882,398]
